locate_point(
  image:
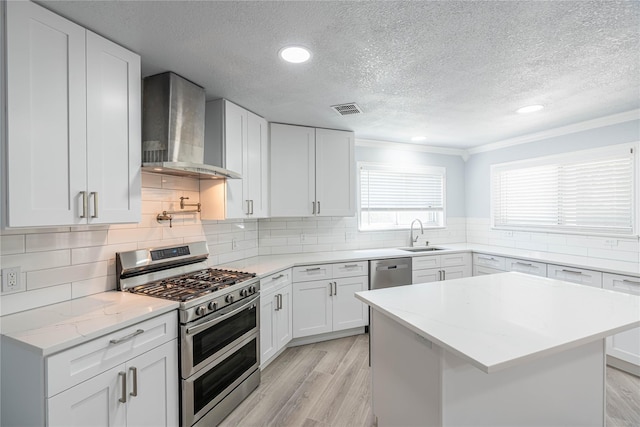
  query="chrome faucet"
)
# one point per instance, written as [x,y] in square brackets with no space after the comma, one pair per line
[413,241]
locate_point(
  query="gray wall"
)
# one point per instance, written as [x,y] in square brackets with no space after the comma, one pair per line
[477,180]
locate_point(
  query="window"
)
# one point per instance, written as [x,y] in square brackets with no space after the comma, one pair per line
[393,196]
[590,191]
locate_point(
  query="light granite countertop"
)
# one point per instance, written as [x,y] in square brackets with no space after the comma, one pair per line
[53,328]
[501,320]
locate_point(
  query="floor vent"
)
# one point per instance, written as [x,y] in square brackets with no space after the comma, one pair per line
[346,109]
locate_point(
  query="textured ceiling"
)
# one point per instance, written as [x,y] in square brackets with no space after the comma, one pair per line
[452,71]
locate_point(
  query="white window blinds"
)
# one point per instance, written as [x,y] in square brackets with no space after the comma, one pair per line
[586,191]
[391,197]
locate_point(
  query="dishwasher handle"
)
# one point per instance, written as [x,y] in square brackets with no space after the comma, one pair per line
[392,267]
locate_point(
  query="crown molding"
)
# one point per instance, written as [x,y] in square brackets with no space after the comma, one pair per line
[411,147]
[564,130]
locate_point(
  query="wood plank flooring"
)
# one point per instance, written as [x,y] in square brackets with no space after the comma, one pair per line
[327,384]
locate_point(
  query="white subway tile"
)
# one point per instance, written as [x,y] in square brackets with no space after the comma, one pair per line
[92,286]
[99,253]
[159,243]
[37,260]
[317,248]
[276,250]
[53,241]
[565,249]
[12,244]
[137,235]
[180,183]
[182,231]
[22,301]
[612,254]
[56,276]
[152,180]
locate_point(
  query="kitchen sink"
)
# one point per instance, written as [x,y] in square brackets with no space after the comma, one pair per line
[421,249]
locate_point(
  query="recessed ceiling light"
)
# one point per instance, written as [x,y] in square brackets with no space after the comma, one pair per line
[295,54]
[529,109]
[418,138]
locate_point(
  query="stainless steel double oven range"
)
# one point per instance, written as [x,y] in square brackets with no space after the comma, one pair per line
[219,325]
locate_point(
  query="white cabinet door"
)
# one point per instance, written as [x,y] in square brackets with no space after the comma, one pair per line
[457,272]
[312,310]
[426,276]
[255,175]
[625,345]
[95,402]
[235,142]
[335,173]
[153,387]
[46,117]
[113,132]
[284,320]
[348,311]
[292,170]
[268,344]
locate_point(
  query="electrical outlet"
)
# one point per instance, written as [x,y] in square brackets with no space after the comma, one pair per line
[11,280]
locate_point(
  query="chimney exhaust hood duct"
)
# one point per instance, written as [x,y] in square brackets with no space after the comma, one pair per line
[173,128]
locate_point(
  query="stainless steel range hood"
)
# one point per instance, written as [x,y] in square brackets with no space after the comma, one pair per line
[173,128]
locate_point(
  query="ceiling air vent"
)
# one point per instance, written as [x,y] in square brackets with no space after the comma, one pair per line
[346,109]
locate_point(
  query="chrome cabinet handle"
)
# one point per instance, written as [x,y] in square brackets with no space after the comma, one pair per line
[248,209]
[350,265]
[84,204]
[127,337]
[314,207]
[251,207]
[313,269]
[526,264]
[444,275]
[487,258]
[279,301]
[94,194]
[630,281]
[134,371]
[335,288]
[123,395]
[330,289]
[279,276]
[572,271]
[318,207]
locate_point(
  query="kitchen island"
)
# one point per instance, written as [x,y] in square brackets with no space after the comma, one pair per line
[502,350]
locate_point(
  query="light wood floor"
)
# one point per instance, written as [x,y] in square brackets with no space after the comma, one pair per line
[327,384]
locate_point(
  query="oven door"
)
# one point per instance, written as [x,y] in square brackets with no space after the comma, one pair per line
[211,337]
[210,385]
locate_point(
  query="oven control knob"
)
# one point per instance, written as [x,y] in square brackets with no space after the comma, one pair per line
[229,299]
[252,289]
[244,292]
[213,306]
[201,310]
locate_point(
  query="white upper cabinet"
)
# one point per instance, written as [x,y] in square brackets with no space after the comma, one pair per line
[235,139]
[312,172]
[73,123]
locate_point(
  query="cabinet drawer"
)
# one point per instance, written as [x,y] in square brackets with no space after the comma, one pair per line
[626,284]
[426,276]
[70,367]
[479,270]
[350,269]
[424,262]
[312,272]
[529,267]
[575,275]
[492,261]
[454,260]
[274,281]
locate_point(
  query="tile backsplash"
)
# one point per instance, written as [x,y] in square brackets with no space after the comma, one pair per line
[620,253]
[62,263]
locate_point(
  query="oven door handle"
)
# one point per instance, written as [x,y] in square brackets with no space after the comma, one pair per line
[203,326]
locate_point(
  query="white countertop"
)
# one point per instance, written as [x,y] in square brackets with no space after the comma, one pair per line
[501,320]
[56,327]
[269,264]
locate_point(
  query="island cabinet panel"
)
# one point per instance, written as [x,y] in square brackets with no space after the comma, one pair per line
[417,382]
[328,304]
[276,324]
[624,346]
[575,275]
[73,123]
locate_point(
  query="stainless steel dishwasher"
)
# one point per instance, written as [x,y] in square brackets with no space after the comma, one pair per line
[386,273]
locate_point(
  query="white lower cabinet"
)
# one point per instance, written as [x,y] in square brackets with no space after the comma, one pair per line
[276,322]
[625,345]
[126,378]
[329,304]
[575,275]
[434,268]
[141,392]
[529,267]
